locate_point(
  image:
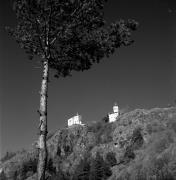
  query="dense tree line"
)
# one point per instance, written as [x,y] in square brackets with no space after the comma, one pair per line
[93,169]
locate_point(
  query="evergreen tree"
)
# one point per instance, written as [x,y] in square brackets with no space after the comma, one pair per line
[23,172]
[57,174]
[67,35]
[99,169]
[106,171]
[31,165]
[83,170]
[50,167]
[15,176]
[111,159]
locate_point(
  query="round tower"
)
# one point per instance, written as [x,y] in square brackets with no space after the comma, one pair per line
[115,108]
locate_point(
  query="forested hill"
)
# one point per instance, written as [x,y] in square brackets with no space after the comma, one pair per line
[140,145]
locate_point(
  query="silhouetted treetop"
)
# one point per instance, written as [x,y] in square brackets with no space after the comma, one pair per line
[70,34]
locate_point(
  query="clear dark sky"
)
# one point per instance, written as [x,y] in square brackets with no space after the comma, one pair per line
[142,75]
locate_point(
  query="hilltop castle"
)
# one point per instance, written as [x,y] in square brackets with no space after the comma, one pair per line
[75,120]
[113,116]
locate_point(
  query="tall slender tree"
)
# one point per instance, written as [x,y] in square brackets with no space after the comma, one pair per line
[67,35]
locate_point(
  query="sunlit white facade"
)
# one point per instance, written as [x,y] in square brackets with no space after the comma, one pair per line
[113,116]
[75,120]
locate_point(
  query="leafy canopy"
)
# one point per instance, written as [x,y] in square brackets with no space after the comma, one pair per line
[69,34]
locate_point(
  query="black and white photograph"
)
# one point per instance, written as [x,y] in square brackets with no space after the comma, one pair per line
[88,90]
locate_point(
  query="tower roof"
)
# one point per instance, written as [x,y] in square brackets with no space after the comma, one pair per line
[115,104]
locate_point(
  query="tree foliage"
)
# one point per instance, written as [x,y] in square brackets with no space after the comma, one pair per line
[111,158]
[67,35]
[82,171]
[27,168]
[99,169]
[92,169]
[3,176]
[71,34]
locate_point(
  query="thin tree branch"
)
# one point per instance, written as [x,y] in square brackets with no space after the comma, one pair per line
[37,28]
[71,15]
[38,32]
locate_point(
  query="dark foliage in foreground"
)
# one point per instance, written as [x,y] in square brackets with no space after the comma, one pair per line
[92,169]
[70,34]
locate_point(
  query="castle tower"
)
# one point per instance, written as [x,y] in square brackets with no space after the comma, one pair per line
[115,108]
[75,120]
[113,116]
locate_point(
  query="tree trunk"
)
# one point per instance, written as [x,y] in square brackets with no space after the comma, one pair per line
[42,161]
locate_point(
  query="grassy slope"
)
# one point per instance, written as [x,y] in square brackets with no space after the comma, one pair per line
[144,142]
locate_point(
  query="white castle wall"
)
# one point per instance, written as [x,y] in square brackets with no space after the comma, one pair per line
[115,109]
[75,120]
[113,116]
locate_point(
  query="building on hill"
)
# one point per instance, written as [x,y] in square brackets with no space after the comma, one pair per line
[113,116]
[75,120]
